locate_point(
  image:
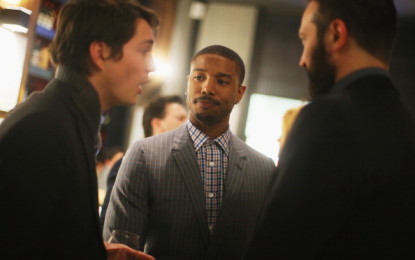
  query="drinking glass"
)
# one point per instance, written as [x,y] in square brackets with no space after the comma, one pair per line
[124,237]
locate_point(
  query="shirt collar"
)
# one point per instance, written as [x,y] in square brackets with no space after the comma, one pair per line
[341,84]
[199,138]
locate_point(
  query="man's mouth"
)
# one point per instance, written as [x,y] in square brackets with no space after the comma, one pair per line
[206,100]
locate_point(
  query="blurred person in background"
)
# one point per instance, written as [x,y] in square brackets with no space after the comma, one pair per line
[48,144]
[346,175]
[287,123]
[106,158]
[164,114]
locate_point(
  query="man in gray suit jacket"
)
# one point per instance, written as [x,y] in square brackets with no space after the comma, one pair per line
[195,192]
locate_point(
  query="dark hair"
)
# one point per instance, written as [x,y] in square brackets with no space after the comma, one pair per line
[157,109]
[227,53]
[82,22]
[372,23]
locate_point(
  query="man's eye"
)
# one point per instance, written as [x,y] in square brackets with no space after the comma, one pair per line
[198,77]
[146,51]
[223,82]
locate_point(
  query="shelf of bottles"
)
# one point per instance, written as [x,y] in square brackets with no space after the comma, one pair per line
[41,70]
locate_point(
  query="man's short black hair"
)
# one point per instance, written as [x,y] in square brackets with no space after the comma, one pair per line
[227,53]
[372,23]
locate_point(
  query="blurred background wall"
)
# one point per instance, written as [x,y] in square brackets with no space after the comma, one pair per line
[263,32]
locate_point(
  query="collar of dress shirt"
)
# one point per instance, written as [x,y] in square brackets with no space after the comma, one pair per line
[341,84]
[199,138]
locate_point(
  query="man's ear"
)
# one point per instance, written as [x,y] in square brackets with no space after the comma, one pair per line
[337,35]
[156,125]
[241,92]
[99,53]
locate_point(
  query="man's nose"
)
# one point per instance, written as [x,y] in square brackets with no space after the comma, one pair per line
[302,62]
[208,87]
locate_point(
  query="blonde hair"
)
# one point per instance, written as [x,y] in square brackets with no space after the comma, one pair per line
[287,122]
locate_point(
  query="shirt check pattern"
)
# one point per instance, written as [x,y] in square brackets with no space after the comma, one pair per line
[212,156]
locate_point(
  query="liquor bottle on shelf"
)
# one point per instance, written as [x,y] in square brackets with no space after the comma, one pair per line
[40,70]
[40,60]
[35,58]
[47,15]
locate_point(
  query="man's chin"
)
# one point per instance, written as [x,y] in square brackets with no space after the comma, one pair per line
[206,119]
[128,102]
[316,91]
[320,86]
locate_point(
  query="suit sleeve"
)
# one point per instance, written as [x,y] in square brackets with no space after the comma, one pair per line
[128,206]
[313,189]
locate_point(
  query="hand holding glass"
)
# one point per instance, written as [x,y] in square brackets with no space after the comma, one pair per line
[124,237]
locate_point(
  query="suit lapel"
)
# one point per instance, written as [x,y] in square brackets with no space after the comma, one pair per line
[235,177]
[88,145]
[84,128]
[86,125]
[185,157]
[91,165]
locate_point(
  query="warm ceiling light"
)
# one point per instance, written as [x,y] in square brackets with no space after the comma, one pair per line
[10,2]
[162,69]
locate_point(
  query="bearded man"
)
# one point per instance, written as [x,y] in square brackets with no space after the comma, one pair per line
[346,176]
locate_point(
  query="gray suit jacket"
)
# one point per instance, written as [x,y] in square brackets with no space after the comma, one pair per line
[159,195]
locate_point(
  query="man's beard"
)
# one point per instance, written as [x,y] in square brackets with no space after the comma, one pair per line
[208,120]
[321,73]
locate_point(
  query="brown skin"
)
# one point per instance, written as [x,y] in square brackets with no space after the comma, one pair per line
[213,89]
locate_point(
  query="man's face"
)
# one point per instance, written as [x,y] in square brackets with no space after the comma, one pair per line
[175,115]
[315,60]
[213,89]
[123,78]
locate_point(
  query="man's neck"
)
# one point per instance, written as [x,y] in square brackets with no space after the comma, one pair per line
[96,83]
[357,60]
[211,130]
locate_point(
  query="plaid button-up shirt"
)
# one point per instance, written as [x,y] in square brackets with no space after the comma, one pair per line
[212,157]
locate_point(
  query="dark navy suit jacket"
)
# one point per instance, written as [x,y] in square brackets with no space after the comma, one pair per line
[346,179]
[48,185]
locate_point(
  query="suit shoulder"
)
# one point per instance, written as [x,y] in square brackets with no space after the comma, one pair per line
[160,141]
[27,118]
[163,137]
[249,151]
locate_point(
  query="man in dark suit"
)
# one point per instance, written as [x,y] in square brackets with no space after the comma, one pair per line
[48,186]
[194,192]
[346,175]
